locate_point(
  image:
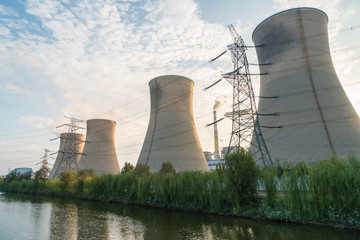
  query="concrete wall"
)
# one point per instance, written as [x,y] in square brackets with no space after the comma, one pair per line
[171,134]
[99,150]
[62,159]
[317,117]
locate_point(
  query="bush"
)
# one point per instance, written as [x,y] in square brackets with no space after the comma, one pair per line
[141,170]
[167,167]
[68,178]
[128,167]
[84,175]
[242,174]
[269,177]
[16,176]
[42,173]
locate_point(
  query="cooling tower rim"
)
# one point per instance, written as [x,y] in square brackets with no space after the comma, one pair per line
[286,11]
[170,76]
[67,133]
[100,120]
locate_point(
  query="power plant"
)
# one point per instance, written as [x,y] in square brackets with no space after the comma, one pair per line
[171,134]
[304,112]
[99,150]
[68,157]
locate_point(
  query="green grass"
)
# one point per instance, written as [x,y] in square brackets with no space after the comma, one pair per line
[325,192]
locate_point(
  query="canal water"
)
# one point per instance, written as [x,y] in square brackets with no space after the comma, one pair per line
[29,217]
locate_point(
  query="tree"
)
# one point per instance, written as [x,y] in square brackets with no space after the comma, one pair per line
[82,175]
[17,176]
[128,167]
[68,178]
[167,167]
[141,170]
[42,173]
[242,174]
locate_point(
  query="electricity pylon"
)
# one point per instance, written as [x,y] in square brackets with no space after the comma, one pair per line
[246,129]
[70,153]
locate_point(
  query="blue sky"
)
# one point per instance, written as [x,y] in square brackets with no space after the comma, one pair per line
[94,59]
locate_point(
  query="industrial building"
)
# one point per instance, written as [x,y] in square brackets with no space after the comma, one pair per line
[304,112]
[171,134]
[68,157]
[99,151]
[21,171]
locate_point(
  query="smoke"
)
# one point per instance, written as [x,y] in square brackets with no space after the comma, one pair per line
[218,104]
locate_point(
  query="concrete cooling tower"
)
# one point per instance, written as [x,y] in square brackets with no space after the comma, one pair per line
[171,134]
[99,150]
[71,146]
[313,116]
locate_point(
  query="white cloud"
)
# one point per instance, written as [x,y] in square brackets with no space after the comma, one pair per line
[7,11]
[98,56]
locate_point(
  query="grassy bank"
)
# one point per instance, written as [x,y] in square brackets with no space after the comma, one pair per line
[326,192]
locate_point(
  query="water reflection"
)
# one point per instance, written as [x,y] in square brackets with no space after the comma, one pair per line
[25,217]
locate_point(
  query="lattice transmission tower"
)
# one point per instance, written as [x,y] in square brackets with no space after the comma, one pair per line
[70,152]
[246,129]
[45,158]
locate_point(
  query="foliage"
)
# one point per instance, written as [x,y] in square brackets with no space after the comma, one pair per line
[220,170]
[336,183]
[269,176]
[295,186]
[68,178]
[242,175]
[84,175]
[141,170]
[42,173]
[16,176]
[167,167]
[328,191]
[128,167]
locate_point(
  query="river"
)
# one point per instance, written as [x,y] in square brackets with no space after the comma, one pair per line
[30,217]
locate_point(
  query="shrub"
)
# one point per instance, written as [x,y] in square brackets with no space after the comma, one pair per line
[167,167]
[141,170]
[269,177]
[242,174]
[42,173]
[128,167]
[83,175]
[68,178]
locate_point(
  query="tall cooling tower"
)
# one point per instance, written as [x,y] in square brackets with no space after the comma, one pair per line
[99,150]
[171,134]
[69,142]
[313,116]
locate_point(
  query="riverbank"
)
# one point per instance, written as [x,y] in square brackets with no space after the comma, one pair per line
[326,193]
[41,217]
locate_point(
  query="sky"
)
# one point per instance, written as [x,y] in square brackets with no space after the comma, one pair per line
[93,59]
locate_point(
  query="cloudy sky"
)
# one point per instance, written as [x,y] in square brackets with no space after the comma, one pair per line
[93,59]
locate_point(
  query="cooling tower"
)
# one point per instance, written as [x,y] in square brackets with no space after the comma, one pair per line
[303,110]
[71,146]
[99,150]
[171,134]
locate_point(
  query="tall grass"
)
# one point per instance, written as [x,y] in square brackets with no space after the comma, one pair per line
[326,191]
[335,183]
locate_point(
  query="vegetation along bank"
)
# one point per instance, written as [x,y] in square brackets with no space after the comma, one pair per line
[326,192]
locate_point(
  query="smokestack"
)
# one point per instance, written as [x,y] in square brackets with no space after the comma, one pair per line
[216,136]
[171,134]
